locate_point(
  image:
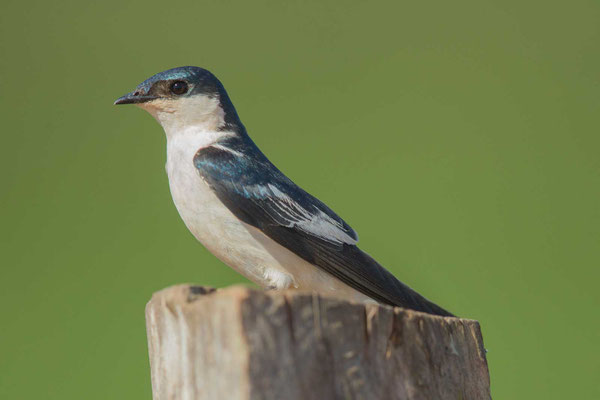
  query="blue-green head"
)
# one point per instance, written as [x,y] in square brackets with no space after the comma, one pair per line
[183,94]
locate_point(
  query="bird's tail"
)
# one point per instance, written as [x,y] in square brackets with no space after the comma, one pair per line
[387,289]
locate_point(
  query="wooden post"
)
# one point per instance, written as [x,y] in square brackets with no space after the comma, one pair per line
[243,344]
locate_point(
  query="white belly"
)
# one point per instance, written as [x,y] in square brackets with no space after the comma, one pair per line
[239,245]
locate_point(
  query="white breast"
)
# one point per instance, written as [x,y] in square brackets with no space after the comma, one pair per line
[239,245]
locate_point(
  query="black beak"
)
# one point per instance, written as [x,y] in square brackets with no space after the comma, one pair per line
[134,97]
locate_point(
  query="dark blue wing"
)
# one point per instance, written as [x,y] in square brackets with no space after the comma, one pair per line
[263,195]
[260,195]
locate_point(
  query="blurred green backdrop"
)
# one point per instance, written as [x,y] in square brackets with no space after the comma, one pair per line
[460,139]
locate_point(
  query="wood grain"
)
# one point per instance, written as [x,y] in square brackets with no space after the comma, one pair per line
[238,343]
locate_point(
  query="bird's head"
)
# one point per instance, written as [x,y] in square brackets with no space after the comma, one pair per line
[182,97]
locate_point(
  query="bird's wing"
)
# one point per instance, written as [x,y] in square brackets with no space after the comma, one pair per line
[256,192]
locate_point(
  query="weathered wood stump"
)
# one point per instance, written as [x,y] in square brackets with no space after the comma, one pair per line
[238,343]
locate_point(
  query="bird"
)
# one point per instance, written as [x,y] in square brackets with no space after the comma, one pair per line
[245,211]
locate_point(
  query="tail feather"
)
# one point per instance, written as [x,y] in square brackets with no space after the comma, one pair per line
[396,293]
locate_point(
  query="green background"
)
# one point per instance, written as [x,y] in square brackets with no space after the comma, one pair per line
[460,139]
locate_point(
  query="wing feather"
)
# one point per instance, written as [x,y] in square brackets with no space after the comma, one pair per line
[260,195]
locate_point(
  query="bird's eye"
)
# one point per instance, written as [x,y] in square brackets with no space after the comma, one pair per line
[179,87]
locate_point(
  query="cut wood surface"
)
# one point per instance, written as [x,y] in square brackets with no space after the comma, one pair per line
[243,344]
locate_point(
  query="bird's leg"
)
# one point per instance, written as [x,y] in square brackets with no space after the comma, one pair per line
[278,280]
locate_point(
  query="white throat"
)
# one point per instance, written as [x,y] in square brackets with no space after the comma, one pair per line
[200,113]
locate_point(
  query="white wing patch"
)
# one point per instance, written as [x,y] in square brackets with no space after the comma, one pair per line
[319,224]
[224,148]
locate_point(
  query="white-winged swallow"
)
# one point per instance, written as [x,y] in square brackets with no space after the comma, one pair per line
[247,212]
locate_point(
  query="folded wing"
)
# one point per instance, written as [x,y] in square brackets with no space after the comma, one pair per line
[260,195]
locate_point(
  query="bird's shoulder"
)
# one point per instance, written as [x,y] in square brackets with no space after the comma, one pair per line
[260,194]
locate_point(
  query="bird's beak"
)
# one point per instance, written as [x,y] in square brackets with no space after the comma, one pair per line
[134,97]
